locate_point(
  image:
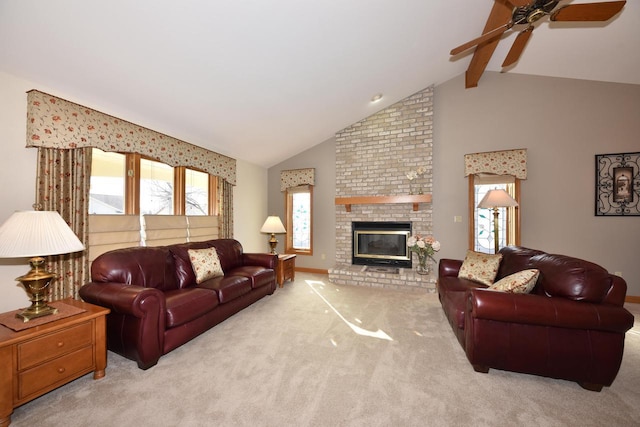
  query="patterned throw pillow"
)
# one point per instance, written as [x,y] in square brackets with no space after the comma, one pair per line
[205,263]
[521,282]
[480,267]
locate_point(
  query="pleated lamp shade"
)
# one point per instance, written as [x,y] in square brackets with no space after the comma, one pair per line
[37,233]
[497,199]
[273,224]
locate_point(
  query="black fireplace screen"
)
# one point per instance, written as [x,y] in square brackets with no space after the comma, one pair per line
[381,243]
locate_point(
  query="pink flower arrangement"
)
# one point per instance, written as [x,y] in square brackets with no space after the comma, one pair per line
[427,245]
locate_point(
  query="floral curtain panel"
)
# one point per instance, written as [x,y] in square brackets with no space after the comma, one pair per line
[507,162]
[225,190]
[57,123]
[62,184]
[296,177]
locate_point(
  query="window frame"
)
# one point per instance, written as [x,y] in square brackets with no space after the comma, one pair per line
[113,165]
[183,186]
[513,236]
[132,186]
[176,191]
[289,249]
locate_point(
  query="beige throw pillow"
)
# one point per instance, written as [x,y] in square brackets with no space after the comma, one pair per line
[521,282]
[205,263]
[480,267]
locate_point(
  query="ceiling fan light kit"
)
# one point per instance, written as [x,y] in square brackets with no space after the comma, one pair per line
[526,12]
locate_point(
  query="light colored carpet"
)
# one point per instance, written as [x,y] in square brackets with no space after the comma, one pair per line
[315,354]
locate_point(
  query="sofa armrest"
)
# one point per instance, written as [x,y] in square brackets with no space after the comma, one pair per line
[122,298]
[260,259]
[136,323]
[449,267]
[541,310]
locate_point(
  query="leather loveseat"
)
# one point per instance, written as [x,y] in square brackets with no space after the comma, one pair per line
[571,326]
[156,304]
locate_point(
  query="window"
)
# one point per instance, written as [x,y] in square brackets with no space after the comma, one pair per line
[196,192]
[156,188]
[481,235]
[107,188]
[300,220]
[130,184]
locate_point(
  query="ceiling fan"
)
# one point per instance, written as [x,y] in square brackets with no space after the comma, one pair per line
[508,13]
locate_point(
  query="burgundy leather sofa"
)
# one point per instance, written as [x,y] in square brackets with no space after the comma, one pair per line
[571,326]
[155,303]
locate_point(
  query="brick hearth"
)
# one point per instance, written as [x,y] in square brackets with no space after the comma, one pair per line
[373,157]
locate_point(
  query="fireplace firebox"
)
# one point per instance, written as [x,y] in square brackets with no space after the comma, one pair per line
[381,243]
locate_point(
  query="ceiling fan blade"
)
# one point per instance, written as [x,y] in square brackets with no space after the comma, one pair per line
[588,11]
[483,38]
[519,3]
[518,46]
[500,12]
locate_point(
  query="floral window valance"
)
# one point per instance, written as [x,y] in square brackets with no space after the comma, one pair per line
[57,123]
[296,177]
[507,162]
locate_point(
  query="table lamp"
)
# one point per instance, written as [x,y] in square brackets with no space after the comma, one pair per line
[273,225]
[34,235]
[495,199]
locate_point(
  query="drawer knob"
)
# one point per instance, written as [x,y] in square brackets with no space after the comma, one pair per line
[61,370]
[61,344]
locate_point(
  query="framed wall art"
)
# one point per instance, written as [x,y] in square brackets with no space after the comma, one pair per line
[618,184]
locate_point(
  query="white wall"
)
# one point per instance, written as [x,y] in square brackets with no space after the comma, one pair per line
[250,207]
[18,172]
[563,123]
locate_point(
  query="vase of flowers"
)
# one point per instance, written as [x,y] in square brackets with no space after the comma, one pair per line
[411,175]
[414,175]
[424,247]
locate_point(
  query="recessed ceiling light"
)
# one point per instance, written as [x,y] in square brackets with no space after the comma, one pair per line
[377,97]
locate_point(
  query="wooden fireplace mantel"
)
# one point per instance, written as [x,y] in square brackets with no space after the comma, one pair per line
[379,200]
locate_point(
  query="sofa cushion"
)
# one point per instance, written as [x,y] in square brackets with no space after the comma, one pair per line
[146,266]
[228,287]
[572,278]
[205,264]
[184,305]
[259,276]
[514,259]
[185,275]
[521,282]
[480,267]
[230,253]
[457,284]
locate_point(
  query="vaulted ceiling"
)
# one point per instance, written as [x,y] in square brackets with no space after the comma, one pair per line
[262,80]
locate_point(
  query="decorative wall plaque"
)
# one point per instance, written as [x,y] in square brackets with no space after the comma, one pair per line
[617,184]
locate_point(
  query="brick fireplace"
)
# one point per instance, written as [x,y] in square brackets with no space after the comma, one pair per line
[373,158]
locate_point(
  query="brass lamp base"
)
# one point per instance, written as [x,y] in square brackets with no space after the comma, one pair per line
[495,231]
[273,242]
[36,284]
[36,310]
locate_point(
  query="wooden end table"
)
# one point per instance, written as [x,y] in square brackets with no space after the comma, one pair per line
[39,359]
[286,268]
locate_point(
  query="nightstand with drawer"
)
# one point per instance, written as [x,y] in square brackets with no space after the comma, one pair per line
[39,359]
[286,269]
